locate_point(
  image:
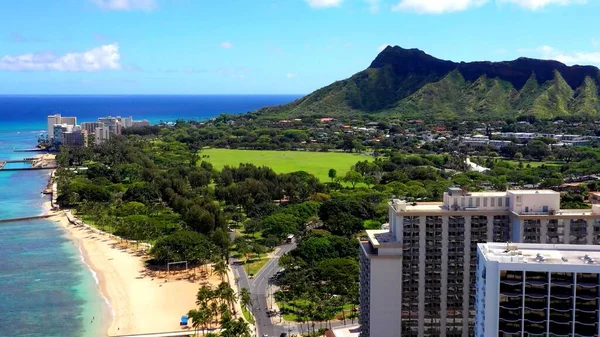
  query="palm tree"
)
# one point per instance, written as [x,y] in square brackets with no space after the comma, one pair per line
[204,295]
[245,298]
[226,294]
[214,311]
[242,329]
[196,317]
[235,328]
[220,268]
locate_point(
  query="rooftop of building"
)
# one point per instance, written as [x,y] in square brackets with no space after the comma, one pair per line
[344,331]
[530,192]
[557,254]
[377,237]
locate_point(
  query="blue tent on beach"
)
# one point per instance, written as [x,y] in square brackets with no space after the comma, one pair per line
[184,320]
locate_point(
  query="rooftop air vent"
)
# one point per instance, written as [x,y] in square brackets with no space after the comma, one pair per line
[588,259]
[539,258]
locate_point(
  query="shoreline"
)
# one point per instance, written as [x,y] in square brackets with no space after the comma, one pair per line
[137,300]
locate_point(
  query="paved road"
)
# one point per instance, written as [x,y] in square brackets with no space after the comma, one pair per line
[258,289]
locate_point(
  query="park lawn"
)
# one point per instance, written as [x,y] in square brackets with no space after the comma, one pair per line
[247,316]
[315,163]
[292,317]
[533,164]
[254,265]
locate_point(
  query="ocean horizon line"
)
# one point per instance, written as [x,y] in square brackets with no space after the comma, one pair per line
[144,95]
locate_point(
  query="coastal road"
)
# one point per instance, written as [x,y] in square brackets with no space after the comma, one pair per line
[258,287]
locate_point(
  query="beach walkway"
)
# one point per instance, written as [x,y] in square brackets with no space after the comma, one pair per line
[171,334]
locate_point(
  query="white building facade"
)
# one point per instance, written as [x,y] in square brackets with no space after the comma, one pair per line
[57,119]
[418,278]
[537,290]
[101,134]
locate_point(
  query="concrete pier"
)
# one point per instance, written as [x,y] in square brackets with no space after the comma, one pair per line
[37,217]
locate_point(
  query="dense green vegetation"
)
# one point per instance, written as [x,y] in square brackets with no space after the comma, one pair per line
[157,185]
[408,83]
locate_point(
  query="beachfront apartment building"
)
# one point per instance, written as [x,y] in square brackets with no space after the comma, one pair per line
[418,277]
[77,137]
[112,123]
[537,290]
[57,119]
[126,122]
[90,127]
[71,135]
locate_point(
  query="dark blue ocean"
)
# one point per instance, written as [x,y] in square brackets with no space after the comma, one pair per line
[31,111]
[45,288]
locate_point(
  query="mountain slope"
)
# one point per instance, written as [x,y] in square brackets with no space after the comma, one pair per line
[410,83]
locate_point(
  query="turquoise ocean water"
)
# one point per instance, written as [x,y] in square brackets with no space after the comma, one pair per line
[46,290]
[45,287]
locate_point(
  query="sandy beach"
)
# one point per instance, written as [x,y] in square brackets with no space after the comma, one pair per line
[141,301]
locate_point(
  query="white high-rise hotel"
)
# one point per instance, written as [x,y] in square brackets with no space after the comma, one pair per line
[537,290]
[418,277]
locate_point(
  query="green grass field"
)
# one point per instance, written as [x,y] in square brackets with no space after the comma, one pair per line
[247,315]
[534,164]
[316,163]
[291,316]
[254,265]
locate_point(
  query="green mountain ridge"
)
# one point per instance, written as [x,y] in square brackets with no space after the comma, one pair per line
[408,83]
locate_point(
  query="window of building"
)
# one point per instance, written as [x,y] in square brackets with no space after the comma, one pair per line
[470,202]
[462,202]
[477,202]
[485,202]
[507,201]
[493,202]
[499,202]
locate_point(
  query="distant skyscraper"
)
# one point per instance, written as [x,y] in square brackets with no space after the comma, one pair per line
[126,122]
[52,120]
[112,123]
[76,137]
[418,277]
[101,134]
[59,130]
[537,290]
[69,120]
[90,127]
[59,120]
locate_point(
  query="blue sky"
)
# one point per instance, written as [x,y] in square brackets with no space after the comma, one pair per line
[267,46]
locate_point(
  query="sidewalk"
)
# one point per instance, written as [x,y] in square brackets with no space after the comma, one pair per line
[236,304]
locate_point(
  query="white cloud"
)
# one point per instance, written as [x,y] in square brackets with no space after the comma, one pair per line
[373,6]
[226,45]
[449,6]
[539,4]
[100,58]
[437,6]
[290,75]
[324,3]
[126,5]
[550,53]
[382,47]
[238,73]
